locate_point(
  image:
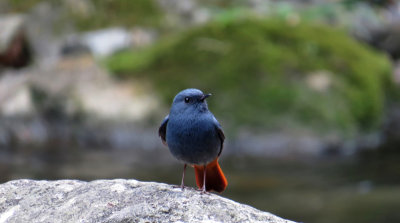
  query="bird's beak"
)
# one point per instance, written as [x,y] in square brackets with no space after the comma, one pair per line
[205,96]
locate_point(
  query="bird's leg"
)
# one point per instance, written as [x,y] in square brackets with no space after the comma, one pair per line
[203,191]
[183,178]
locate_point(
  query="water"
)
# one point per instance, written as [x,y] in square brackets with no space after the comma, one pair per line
[365,188]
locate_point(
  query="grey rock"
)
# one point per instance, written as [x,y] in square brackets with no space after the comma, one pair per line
[14,47]
[118,201]
[45,28]
[107,41]
[10,26]
[104,42]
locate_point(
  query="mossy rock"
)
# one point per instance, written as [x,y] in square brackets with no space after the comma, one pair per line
[259,72]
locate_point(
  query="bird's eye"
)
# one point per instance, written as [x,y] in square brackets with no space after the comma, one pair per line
[187,99]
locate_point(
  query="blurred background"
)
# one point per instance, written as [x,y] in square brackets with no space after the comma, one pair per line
[307,92]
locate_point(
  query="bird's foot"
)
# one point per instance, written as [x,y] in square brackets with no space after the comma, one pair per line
[202,191]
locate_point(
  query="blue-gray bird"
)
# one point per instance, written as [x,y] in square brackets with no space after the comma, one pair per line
[194,136]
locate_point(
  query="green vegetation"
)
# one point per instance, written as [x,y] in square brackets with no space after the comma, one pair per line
[22,5]
[121,12]
[258,70]
[99,14]
[372,2]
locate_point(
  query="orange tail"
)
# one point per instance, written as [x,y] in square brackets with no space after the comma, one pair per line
[215,179]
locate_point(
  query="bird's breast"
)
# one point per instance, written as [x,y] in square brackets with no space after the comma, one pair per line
[190,129]
[193,140]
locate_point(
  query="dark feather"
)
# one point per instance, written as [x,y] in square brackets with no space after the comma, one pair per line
[162,131]
[221,136]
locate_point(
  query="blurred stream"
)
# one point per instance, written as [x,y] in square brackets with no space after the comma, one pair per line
[308,190]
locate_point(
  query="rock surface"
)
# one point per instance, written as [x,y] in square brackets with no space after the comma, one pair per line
[14,46]
[118,201]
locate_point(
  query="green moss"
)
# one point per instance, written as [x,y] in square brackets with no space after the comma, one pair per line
[102,13]
[21,5]
[119,12]
[258,70]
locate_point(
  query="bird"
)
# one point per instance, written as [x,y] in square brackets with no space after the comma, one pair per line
[195,137]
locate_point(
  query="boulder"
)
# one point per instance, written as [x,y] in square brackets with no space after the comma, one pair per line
[118,201]
[14,47]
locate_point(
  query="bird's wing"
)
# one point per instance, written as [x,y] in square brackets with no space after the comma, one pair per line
[162,131]
[220,134]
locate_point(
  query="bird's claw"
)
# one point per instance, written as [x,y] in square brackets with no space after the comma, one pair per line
[202,191]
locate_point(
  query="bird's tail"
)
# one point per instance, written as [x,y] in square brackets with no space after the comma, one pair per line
[215,178]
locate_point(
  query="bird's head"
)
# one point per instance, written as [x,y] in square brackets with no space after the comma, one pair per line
[190,100]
